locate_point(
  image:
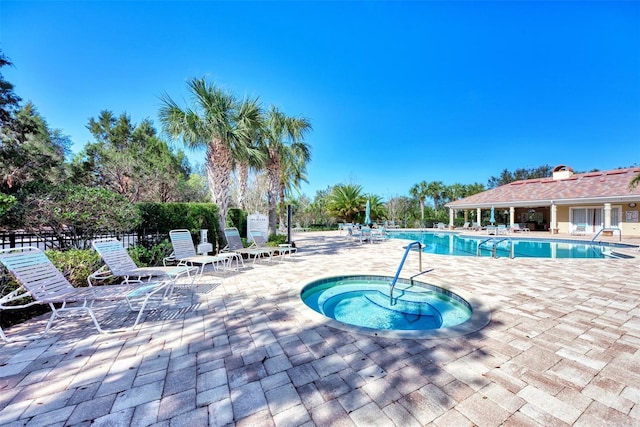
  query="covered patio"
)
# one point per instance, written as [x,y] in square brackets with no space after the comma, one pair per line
[597,200]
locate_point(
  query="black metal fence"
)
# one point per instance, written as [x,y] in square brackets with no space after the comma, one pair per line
[45,240]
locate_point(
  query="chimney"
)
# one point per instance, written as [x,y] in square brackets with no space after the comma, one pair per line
[562,172]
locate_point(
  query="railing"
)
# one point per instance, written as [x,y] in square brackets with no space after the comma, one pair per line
[610,230]
[494,246]
[50,240]
[404,257]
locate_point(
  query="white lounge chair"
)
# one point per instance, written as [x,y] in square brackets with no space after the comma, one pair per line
[517,228]
[118,263]
[234,244]
[580,230]
[354,233]
[260,241]
[379,234]
[43,282]
[184,253]
[365,234]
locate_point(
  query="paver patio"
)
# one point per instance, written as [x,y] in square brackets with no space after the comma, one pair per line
[562,348]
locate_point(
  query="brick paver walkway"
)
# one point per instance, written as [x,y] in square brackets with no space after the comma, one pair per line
[562,348]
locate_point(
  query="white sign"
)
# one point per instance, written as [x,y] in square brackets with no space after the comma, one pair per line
[257,222]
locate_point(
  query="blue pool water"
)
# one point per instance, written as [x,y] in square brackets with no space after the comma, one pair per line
[447,243]
[365,301]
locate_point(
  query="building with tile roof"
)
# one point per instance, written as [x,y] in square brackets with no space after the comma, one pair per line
[561,203]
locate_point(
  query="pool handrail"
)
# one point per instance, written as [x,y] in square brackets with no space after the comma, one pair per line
[404,257]
[611,229]
[494,246]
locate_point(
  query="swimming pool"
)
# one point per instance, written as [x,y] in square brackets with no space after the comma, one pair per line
[451,243]
[415,309]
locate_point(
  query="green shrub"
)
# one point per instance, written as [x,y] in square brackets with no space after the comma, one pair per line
[150,256]
[164,217]
[237,218]
[277,239]
[75,264]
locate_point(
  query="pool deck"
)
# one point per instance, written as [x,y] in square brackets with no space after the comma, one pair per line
[562,349]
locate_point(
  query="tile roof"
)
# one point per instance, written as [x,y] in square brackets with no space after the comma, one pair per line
[590,187]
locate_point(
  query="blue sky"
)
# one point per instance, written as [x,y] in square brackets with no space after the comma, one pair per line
[396,92]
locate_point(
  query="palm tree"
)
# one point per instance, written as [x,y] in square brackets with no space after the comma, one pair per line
[634,182]
[281,133]
[471,189]
[222,124]
[292,173]
[346,201]
[420,192]
[246,161]
[456,191]
[435,190]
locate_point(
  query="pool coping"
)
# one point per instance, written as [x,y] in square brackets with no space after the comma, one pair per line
[480,313]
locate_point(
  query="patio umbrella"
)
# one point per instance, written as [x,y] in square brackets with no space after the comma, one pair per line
[493,218]
[367,213]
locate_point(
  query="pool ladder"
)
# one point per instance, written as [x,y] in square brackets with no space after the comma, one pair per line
[494,246]
[404,257]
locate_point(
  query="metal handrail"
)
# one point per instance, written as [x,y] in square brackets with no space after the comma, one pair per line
[495,246]
[608,229]
[404,257]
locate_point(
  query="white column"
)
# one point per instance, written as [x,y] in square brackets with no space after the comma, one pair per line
[451,212]
[607,215]
[479,216]
[512,214]
[554,217]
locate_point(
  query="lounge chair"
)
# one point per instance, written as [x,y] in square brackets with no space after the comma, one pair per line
[440,226]
[517,228]
[119,264]
[476,227]
[390,224]
[580,230]
[354,232]
[379,234]
[359,234]
[501,229]
[45,284]
[260,241]
[234,244]
[466,226]
[184,253]
[365,234]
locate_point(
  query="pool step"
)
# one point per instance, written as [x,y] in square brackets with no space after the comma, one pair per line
[617,255]
[414,308]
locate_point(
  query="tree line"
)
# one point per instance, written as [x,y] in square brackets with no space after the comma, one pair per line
[128,163]
[255,159]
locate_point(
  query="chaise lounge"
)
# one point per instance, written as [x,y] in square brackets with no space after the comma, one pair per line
[234,244]
[184,253]
[45,284]
[119,264]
